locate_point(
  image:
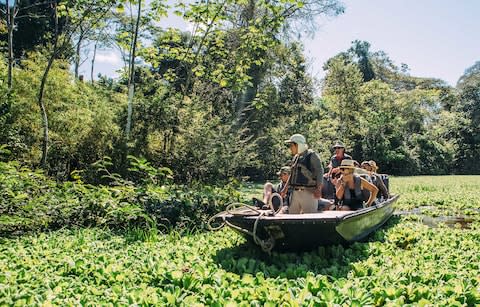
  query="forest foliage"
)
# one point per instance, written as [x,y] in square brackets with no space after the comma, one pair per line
[216,103]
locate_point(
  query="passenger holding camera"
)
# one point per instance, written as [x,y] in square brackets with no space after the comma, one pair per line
[352,191]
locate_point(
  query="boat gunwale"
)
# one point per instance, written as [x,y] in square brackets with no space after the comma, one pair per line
[330,215]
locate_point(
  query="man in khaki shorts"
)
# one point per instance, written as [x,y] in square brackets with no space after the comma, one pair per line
[306,176]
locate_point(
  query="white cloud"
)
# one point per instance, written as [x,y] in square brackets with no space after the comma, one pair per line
[109,57]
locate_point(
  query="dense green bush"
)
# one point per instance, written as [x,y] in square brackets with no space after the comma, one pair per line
[29,200]
[82,118]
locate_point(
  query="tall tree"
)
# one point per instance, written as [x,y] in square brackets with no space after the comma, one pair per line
[74,15]
[469,133]
[129,27]
[14,22]
[10,12]
[361,55]
[131,71]
[341,91]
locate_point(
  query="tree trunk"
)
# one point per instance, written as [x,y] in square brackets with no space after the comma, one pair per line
[256,74]
[43,111]
[131,81]
[77,52]
[41,91]
[131,92]
[10,16]
[93,60]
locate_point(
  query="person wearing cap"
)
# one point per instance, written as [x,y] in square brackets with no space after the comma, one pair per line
[333,171]
[306,177]
[337,158]
[371,167]
[352,190]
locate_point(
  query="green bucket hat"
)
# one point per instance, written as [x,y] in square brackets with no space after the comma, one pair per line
[338,144]
[284,170]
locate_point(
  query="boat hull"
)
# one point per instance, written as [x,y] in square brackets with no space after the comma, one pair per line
[308,231]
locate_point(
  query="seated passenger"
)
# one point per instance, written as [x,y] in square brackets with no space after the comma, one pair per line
[271,193]
[352,190]
[376,179]
[337,158]
[328,188]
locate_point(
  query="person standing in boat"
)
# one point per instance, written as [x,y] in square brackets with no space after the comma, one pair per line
[306,177]
[352,190]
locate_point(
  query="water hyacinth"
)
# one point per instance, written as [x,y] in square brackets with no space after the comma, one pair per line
[404,263]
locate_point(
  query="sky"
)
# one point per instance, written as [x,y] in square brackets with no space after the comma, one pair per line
[435,38]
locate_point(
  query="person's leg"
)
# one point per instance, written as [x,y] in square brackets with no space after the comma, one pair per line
[324,204]
[328,189]
[304,202]
[267,192]
[310,203]
[295,201]
[345,208]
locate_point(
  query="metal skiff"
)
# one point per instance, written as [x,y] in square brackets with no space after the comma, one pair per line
[297,232]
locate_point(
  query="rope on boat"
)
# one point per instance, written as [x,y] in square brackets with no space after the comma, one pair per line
[237,206]
[210,220]
[230,207]
[267,245]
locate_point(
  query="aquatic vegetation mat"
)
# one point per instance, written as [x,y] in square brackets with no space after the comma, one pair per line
[403,263]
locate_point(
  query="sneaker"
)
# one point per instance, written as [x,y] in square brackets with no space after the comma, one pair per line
[258,203]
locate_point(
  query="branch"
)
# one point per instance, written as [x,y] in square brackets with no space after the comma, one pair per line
[209,27]
[32,16]
[76,26]
[33,5]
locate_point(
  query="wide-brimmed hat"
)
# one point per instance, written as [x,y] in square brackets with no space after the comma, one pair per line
[338,144]
[284,170]
[347,163]
[297,139]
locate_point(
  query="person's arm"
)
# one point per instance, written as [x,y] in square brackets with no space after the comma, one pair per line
[317,172]
[371,188]
[267,192]
[340,188]
[330,168]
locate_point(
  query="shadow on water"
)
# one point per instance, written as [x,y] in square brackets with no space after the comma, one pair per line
[332,261]
[458,221]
